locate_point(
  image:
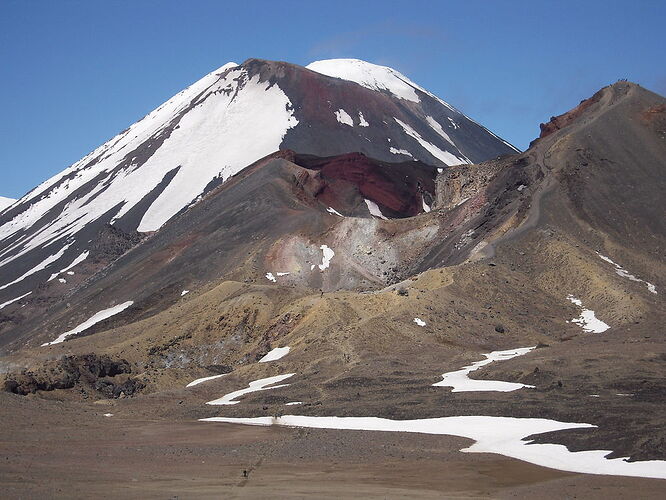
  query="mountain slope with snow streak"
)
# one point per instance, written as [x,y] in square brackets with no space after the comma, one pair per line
[164,163]
[388,80]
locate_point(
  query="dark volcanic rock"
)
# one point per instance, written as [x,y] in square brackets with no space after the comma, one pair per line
[66,372]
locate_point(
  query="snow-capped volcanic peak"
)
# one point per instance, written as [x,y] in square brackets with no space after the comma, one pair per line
[5,202]
[164,163]
[371,76]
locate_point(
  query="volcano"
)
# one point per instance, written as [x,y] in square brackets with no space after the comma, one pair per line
[212,130]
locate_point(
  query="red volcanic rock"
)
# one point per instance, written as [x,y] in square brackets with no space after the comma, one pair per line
[561,121]
[654,112]
[398,188]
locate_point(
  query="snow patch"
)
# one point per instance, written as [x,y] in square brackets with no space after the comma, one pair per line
[362,121]
[501,435]
[184,292]
[5,304]
[587,319]
[374,210]
[43,265]
[419,322]
[438,128]
[275,354]
[625,274]
[294,403]
[332,210]
[326,258]
[270,277]
[462,383]
[96,318]
[344,118]
[396,151]
[446,157]
[204,379]
[426,208]
[258,385]
[76,262]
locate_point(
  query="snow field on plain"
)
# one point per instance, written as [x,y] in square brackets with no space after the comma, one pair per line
[501,435]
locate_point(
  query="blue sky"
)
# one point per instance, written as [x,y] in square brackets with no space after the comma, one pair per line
[75,73]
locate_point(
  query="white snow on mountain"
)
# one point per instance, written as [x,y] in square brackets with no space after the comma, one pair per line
[275,354]
[326,258]
[438,128]
[93,320]
[5,304]
[620,271]
[204,379]
[263,384]
[5,202]
[372,76]
[445,156]
[216,136]
[587,320]
[460,381]
[74,263]
[374,209]
[344,118]
[42,265]
[399,151]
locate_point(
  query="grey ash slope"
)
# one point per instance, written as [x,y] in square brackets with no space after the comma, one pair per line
[164,163]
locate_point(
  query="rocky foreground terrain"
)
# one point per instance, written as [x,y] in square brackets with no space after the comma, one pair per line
[379,277]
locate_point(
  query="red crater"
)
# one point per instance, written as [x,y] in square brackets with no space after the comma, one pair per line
[398,188]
